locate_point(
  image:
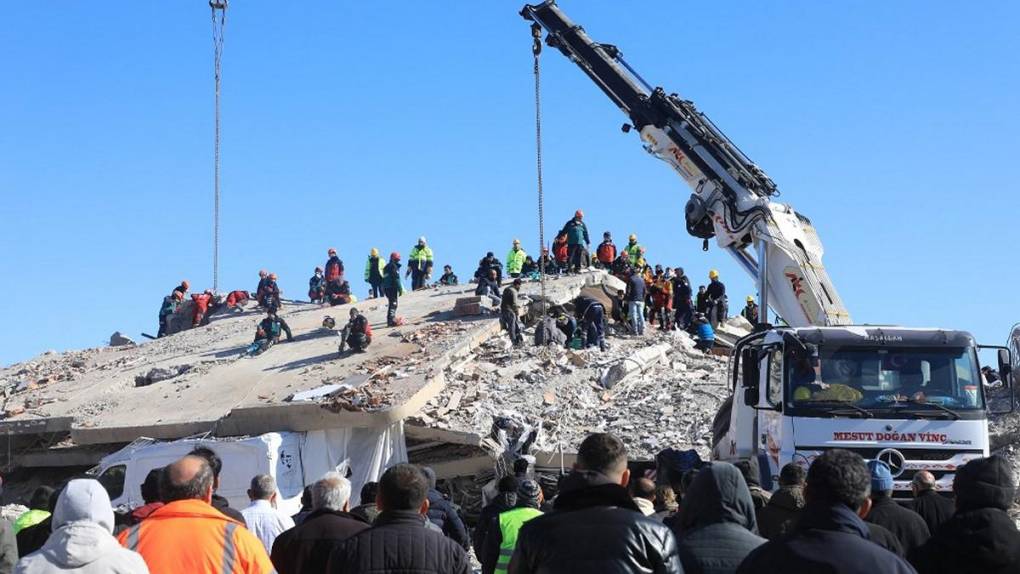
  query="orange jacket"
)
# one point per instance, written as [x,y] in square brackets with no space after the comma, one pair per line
[192,537]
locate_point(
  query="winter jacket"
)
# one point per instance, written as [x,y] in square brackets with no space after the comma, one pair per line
[374,270]
[448,279]
[316,286]
[715,290]
[635,288]
[559,249]
[142,512]
[30,517]
[779,516]
[827,538]
[486,264]
[595,528]
[717,522]
[501,535]
[681,293]
[633,252]
[399,543]
[510,302]
[420,259]
[391,277]
[487,286]
[192,536]
[504,501]
[980,537]
[706,333]
[334,268]
[908,527]
[366,512]
[576,232]
[271,328]
[881,536]
[662,293]
[515,261]
[169,306]
[606,252]
[442,514]
[306,547]
[582,304]
[82,541]
[933,508]
[223,505]
[32,538]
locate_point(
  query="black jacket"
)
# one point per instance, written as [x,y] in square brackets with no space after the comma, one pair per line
[399,543]
[780,514]
[594,528]
[908,527]
[220,503]
[681,293]
[933,508]
[367,512]
[32,538]
[879,535]
[306,547]
[827,539]
[980,537]
[487,286]
[717,522]
[442,514]
[715,291]
[504,501]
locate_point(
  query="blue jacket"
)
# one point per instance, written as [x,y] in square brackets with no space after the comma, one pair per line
[442,514]
[705,332]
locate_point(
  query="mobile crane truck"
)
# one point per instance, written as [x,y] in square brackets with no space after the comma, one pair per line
[914,398]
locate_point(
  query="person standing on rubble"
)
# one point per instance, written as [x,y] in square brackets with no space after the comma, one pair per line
[701,301]
[715,297]
[605,253]
[317,286]
[592,316]
[546,263]
[633,250]
[578,242]
[515,259]
[750,311]
[509,312]
[561,253]
[171,303]
[334,266]
[662,300]
[419,265]
[683,310]
[374,273]
[636,302]
[392,288]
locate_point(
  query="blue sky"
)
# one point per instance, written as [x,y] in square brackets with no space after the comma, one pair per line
[892,125]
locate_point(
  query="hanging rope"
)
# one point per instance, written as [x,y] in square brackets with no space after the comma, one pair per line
[536,50]
[218,7]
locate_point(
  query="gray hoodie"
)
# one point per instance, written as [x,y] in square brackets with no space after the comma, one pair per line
[82,541]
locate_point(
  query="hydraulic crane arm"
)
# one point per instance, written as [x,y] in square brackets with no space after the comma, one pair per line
[731,198]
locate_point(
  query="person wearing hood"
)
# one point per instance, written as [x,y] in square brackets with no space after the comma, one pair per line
[594,525]
[501,535]
[419,265]
[784,506]
[830,536]
[981,536]
[82,540]
[717,522]
[486,266]
[505,499]
[908,526]
[442,514]
[752,477]
[374,273]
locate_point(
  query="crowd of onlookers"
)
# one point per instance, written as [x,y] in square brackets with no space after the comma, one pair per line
[837,516]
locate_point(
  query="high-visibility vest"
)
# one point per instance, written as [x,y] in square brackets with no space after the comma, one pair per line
[510,523]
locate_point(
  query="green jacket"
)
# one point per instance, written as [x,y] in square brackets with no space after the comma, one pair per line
[420,258]
[633,251]
[515,260]
[391,277]
[30,518]
[379,265]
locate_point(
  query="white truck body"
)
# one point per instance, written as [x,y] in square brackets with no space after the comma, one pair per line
[295,459]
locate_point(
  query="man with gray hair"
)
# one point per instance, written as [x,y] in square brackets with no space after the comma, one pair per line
[933,507]
[306,548]
[262,517]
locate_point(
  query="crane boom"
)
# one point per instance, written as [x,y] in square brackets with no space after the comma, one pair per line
[731,197]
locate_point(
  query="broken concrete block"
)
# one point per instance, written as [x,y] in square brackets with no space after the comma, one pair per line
[576,359]
[157,374]
[636,363]
[119,340]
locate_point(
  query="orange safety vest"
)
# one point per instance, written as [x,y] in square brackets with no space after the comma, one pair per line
[191,536]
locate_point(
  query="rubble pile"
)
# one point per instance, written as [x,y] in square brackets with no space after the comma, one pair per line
[1004,440]
[654,392]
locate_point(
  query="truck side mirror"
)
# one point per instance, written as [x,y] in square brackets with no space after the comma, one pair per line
[751,374]
[1005,367]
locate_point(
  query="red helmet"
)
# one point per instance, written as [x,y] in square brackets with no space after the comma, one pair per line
[579,214]
[395,255]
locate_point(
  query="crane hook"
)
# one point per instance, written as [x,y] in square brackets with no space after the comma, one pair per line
[536,36]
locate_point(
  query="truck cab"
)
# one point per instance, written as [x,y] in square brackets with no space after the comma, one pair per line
[913,398]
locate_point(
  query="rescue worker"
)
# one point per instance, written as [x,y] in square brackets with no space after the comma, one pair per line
[701,303]
[561,253]
[515,259]
[237,299]
[338,292]
[171,303]
[489,263]
[682,307]
[268,333]
[183,288]
[357,334]
[662,300]
[591,315]
[605,253]
[750,311]
[621,267]
[419,264]
[489,286]
[374,273]
[200,308]
[188,534]
[37,511]
[705,333]
[636,302]
[578,242]
[260,290]
[633,250]
[334,266]
[392,288]
[501,534]
[317,286]
[270,298]
[449,278]
[715,297]
[509,312]
[530,268]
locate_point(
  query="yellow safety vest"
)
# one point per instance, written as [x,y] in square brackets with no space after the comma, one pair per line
[510,523]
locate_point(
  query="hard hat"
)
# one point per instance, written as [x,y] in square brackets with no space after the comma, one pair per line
[185,284]
[421,240]
[395,255]
[750,299]
[607,235]
[579,214]
[633,237]
[517,241]
[374,252]
[328,322]
[332,251]
[272,276]
[713,274]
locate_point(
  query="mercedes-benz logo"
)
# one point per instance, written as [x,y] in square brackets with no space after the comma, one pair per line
[894,459]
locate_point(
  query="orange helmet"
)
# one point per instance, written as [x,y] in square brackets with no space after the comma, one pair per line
[272,276]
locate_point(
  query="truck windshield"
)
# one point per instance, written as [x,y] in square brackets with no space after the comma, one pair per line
[885,378]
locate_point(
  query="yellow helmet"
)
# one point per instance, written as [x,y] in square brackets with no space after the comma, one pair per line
[750,299]
[802,394]
[713,274]
[374,252]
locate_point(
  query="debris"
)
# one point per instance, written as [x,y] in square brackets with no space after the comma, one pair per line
[638,362]
[157,374]
[119,340]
